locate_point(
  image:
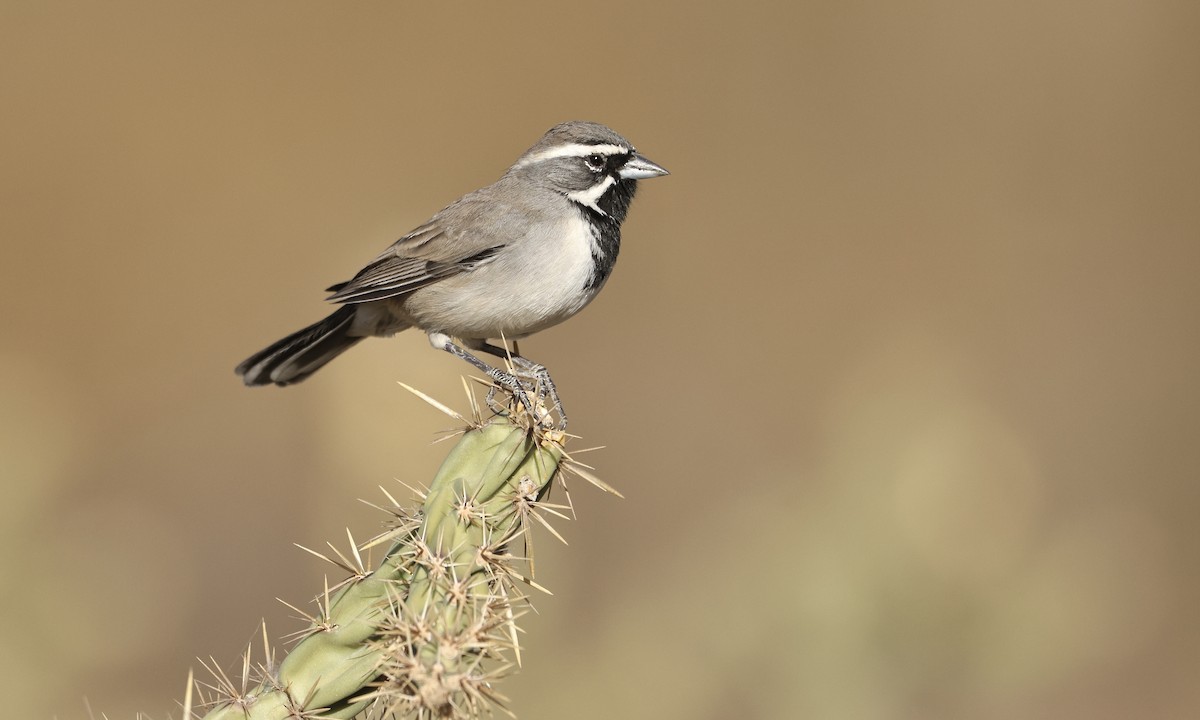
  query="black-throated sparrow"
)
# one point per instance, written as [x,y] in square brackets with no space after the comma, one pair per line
[522,254]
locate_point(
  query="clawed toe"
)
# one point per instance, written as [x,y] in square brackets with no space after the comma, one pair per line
[526,378]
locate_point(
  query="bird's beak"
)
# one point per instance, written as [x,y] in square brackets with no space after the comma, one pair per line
[639,168]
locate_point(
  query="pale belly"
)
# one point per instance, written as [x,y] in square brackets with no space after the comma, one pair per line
[530,286]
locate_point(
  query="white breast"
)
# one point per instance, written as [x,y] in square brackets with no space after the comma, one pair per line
[571,258]
[531,285]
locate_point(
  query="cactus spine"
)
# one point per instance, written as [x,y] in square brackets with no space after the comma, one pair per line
[427,632]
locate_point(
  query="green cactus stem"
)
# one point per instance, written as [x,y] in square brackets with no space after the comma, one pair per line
[428,632]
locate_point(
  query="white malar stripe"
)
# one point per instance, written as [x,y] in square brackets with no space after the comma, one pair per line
[572,150]
[592,195]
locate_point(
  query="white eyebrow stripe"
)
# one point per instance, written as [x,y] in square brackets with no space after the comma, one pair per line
[573,150]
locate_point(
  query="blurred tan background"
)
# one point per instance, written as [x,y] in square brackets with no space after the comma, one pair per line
[898,369]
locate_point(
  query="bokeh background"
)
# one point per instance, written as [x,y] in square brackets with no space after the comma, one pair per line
[898,370]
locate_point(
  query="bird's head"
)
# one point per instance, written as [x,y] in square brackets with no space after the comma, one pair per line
[589,164]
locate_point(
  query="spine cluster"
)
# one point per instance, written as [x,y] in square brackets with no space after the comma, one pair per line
[428,632]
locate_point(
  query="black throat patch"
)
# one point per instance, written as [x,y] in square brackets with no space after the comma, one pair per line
[606,228]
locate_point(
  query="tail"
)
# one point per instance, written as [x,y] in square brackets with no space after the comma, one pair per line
[302,353]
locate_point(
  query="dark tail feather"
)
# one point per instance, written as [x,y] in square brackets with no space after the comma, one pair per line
[302,353]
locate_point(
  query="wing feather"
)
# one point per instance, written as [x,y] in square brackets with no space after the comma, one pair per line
[390,277]
[436,250]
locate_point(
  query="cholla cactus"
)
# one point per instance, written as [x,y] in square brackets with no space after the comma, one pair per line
[428,632]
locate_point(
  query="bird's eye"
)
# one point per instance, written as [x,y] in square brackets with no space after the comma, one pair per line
[595,161]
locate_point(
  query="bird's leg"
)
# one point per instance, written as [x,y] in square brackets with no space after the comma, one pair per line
[490,399]
[498,376]
[543,375]
[533,369]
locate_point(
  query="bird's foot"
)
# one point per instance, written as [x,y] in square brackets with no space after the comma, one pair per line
[527,382]
[543,385]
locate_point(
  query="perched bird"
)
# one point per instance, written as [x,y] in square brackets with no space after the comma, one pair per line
[518,256]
